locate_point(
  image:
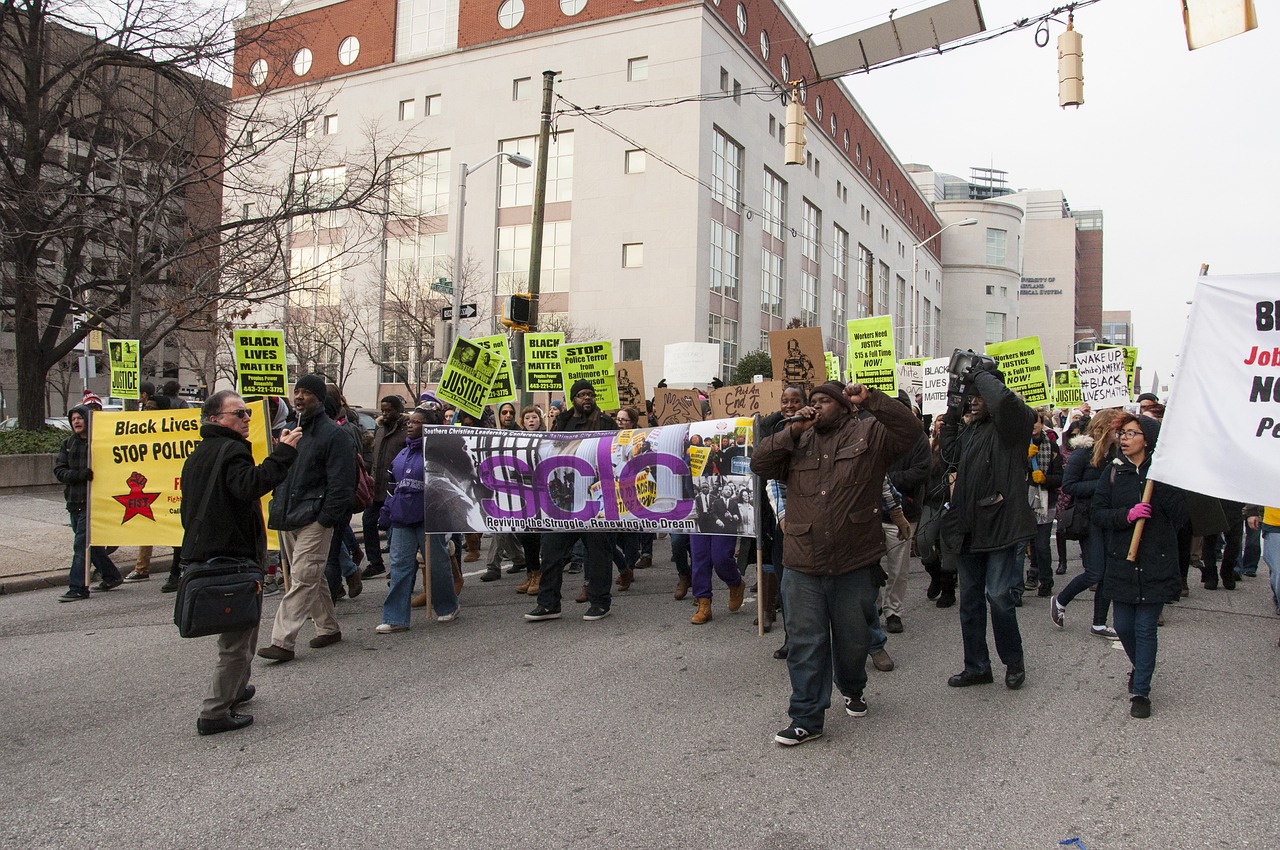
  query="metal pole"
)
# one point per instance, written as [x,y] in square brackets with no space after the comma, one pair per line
[535,235]
[457,263]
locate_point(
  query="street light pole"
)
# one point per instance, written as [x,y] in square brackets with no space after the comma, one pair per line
[519,162]
[915,268]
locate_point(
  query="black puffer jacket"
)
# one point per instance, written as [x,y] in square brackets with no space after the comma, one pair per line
[72,466]
[232,524]
[321,481]
[1155,576]
[909,474]
[989,501]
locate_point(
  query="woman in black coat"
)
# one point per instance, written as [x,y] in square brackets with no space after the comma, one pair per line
[1138,589]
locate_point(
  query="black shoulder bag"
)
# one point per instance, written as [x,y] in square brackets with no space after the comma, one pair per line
[222,594]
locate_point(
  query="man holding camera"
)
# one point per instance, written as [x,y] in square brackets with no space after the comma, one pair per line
[834,465]
[988,517]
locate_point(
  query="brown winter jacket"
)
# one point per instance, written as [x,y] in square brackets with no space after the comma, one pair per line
[834,482]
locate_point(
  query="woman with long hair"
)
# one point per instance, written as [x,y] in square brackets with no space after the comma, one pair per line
[1139,588]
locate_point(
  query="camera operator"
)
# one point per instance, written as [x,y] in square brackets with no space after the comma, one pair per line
[988,516]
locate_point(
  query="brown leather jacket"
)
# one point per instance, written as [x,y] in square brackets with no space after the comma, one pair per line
[833,485]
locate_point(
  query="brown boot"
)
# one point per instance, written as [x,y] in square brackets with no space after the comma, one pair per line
[582,595]
[735,595]
[535,582]
[682,587]
[625,578]
[473,548]
[703,614]
[523,587]
[419,601]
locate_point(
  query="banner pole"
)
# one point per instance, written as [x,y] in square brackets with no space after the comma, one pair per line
[759,512]
[88,502]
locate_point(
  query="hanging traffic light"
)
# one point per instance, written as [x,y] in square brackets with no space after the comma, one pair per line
[1070,67]
[795,132]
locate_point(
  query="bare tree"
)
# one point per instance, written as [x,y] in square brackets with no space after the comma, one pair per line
[136,196]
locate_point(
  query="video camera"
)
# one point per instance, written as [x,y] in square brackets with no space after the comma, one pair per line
[963,366]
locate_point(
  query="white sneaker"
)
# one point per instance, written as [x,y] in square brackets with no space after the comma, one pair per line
[452,615]
[387,628]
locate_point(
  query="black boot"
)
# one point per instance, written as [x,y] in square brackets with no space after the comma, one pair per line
[947,595]
[935,582]
[492,574]
[1228,577]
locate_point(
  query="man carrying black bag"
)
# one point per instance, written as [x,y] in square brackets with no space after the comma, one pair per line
[222,518]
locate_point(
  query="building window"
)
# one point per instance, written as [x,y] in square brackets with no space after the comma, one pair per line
[840,239]
[638,69]
[515,185]
[726,170]
[413,263]
[863,271]
[633,162]
[926,330]
[407,110]
[991,290]
[882,290]
[726,260]
[1004,292]
[996,246]
[630,349]
[434,103]
[633,255]
[521,88]
[302,62]
[420,185]
[742,19]
[995,325]
[846,141]
[839,318]
[772,281]
[315,277]
[510,14]
[808,300]
[330,124]
[422,26]
[724,80]
[901,331]
[817,106]
[764,45]
[572,7]
[937,335]
[811,232]
[258,73]
[348,50]
[775,205]
[512,261]
[724,332]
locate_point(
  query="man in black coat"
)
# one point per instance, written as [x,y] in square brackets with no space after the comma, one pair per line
[988,520]
[231,526]
[306,508]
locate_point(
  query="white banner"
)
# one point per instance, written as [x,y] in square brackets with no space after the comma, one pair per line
[1221,434]
[933,394]
[1102,378]
[690,364]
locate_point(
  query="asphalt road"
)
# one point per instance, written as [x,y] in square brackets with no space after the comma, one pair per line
[638,731]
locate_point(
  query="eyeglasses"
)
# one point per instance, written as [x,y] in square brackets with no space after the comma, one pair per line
[1130,433]
[242,413]
[585,394]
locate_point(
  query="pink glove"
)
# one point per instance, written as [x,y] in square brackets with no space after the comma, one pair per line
[1142,510]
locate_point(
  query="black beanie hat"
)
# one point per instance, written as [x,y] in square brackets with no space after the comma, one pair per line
[313,384]
[1150,431]
[580,385]
[835,389]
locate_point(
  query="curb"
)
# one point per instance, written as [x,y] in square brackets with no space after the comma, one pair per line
[39,581]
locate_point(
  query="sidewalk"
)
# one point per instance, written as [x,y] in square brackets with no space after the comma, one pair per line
[37,532]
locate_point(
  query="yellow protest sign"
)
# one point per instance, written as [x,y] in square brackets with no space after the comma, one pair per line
[504,388]
[870,354]
[1130,363]
[1066,388]
[135,497]
[468,375]
[1022,363]
[591,361]
[542,363]
[260,363]
[123,355]
[833,365]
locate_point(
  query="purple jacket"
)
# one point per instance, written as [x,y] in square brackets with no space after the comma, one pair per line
[405,507]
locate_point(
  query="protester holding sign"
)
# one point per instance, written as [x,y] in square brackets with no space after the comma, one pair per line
[72,469]
[557,546]
[1139,588]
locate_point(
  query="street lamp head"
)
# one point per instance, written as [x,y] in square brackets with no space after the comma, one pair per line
[966,222]
[519,160]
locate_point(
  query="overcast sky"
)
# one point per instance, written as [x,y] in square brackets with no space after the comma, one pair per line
[1172,145]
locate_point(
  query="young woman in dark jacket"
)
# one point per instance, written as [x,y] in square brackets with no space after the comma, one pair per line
[1138,589]
[1094,451]
[72,469]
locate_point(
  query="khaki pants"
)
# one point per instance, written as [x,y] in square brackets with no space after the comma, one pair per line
[896,563]
[305,552]
[235,654]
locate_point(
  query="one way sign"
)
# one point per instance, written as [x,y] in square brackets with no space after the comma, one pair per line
[469,311]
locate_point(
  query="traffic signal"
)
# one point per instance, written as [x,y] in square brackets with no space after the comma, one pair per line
[1070,68]
[795,132]
[522,312]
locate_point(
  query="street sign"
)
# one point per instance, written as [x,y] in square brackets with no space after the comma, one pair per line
[443,285]
[469,311]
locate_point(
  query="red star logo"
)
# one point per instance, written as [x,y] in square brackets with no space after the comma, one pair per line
[136,502]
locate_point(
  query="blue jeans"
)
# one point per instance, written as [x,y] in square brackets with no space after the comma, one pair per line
[372,540]
[828,620]
[1041,556]
[1093,555]
[406,543]
[1136,625]
[989,578]
[97,556]
[1271,554]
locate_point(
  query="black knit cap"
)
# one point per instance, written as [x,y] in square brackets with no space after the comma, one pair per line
[1150,430]
[313,384]
[580,385]
[835,389]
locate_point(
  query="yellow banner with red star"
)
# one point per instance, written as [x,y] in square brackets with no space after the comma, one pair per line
[135,496]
